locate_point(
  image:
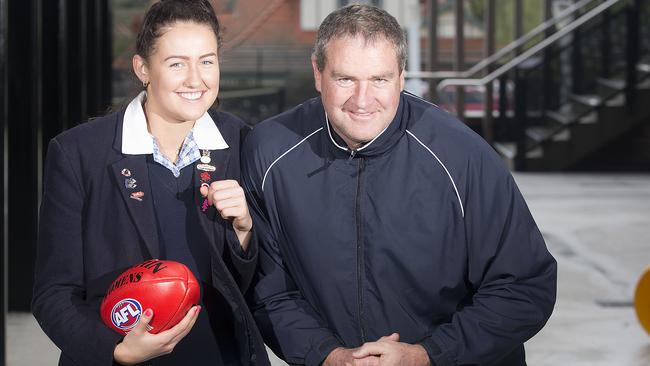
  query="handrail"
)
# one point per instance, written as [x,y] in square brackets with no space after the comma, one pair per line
[530,52]
[503,51]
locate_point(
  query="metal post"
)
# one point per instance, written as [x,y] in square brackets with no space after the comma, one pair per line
[548,13]
[107,54]
[546,68]
[459,55]
[92,58]
[98,58]
[75,58]
[108,51]
[412,21]
[518,22]
[63,67]
[82,53]
[576,59]
[37,95]
[488,120]
[432,10]
[38,47]
[520,117]
[632,51]
[54,73]
[3,168]
[605,44]
[503,107]
[281,98]
[258,67]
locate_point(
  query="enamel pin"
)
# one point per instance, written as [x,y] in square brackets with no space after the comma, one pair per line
[205,157]
[126,172]
[137,196]
[206,167]
[130,183]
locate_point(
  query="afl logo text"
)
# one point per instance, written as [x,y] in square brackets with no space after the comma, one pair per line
[126,314]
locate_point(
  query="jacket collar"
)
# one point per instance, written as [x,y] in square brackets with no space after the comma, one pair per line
[383,142]
[136,138]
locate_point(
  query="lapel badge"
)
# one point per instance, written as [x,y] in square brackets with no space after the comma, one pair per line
[205,177]
[126,172]
[205,157]
[206,167]
[204,205]
[137,196]
[130,183]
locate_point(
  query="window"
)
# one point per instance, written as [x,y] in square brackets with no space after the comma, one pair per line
[312,12]
[370,2]
[127,18]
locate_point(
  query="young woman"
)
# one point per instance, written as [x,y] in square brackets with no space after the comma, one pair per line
[158,179]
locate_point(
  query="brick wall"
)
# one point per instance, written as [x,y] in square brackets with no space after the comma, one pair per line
[265,36]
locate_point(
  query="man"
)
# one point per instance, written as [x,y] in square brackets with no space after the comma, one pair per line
[392,234]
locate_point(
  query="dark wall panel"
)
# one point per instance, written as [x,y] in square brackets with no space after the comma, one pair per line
[24,85]
[3,224]
[58,75]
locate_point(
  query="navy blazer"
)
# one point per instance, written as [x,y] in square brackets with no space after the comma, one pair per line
[91,230]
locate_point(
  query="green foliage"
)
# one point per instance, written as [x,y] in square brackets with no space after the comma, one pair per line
[477,8]
[533,14]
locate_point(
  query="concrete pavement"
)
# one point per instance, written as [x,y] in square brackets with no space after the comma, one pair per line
[598,228]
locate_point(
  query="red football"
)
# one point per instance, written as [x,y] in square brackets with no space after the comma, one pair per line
[168,288]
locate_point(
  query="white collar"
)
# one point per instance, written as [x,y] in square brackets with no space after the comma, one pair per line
[137,140]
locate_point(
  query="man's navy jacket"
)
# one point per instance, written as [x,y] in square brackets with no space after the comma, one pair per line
[91,231]
[421,232]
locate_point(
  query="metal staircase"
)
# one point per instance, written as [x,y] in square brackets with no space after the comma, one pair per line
[580,88]
[582,125]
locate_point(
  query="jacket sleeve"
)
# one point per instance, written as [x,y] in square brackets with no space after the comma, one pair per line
[291,327]
[510,268]
[241,264]
[58,304]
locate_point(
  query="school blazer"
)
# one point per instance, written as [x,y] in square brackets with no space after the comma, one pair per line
[91,230]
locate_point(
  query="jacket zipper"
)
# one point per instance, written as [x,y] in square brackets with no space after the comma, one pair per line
[360,251]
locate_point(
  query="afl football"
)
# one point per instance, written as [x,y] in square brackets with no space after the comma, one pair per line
[168,288]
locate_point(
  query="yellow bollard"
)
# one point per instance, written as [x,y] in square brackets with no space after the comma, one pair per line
[642,300]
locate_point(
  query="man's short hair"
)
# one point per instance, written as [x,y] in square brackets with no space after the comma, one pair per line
[368,21]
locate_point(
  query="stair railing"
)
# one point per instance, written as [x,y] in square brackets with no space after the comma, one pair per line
[526,55]
[501,72]
[506,50]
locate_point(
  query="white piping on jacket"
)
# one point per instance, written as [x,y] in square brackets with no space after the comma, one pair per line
[348,149]
[462,210]
[285,153]
[408,93]
[327,123]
